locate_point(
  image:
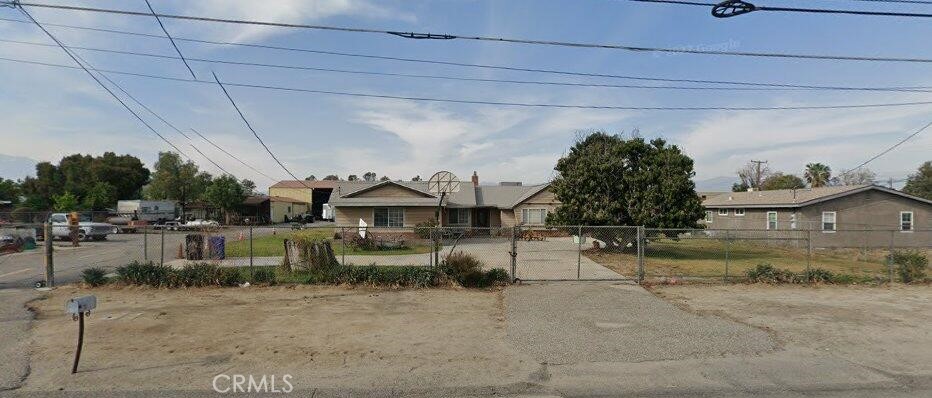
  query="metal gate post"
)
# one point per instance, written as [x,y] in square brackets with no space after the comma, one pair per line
[640,249]
[343,246]
[579,254]
[808,254]
[727,253]
[162,258]
[145,243]
[890,257]
[49,239]
[514,252]
[251,272]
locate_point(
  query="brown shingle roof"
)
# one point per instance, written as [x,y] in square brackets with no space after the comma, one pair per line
[792,197]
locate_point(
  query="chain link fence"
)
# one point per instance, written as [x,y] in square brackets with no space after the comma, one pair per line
[525,253]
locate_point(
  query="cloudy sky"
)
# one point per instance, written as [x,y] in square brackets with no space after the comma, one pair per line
[50,112]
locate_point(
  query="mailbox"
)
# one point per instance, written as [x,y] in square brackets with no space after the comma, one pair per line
[81,305]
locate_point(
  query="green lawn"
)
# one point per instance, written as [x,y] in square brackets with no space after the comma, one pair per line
[706,258]
[273,246]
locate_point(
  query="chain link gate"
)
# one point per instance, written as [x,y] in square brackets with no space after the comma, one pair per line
[584,253]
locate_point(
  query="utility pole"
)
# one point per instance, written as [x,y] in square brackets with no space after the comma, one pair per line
[757,176]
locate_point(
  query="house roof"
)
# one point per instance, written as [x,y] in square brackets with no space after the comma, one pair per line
[498,196]
[416,186]
[259,199]
[794,197]
[384,201]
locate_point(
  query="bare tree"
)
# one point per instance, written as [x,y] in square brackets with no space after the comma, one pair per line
[857,177]
[753,174]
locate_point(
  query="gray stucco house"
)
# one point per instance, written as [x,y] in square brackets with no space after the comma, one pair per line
[838,216]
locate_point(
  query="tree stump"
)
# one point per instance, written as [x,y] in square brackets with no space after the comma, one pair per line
[316,255]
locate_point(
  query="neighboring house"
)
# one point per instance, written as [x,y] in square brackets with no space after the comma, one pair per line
[404,204]
[839,214]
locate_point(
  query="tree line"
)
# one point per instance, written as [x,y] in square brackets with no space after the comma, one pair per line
[84,182]
[815,175]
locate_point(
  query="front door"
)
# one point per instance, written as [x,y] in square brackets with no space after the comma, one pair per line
[481,218]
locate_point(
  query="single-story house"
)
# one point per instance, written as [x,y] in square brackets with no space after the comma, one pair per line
[838,216]
[404,204]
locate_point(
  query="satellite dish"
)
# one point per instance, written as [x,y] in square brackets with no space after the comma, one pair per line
[443,182]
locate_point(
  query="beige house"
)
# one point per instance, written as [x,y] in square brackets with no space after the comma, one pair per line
[838,216]
[404,204]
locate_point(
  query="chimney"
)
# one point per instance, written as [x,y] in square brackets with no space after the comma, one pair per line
[475,179]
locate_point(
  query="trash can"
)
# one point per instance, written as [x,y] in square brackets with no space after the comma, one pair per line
[194,247]
[217,247]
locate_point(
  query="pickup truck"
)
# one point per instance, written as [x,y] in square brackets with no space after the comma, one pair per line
[87,230]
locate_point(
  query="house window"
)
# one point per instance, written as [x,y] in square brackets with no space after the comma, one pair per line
[828,221]
[771,220]
[739,212]
[389,217]
[906,221]
[708,216]
[723,212]
[458,216]
[534,216]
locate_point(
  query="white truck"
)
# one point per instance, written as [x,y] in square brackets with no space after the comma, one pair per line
[87,230]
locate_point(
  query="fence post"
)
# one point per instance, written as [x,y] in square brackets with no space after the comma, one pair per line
[343,246]
[808,253]
[251,274]
[162,258]
[640,250]
[579,254]
[890,256]
[49,257]
[727,255]
[514,252]
[145,243]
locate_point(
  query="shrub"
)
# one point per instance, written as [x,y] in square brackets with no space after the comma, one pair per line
[363,242]
[466,269]
[408,276]
[496,277]
[196,275]
[150,274]
[263,275]
[94,276]
[423,229]
[766,273]
[231,277]
[818,275]
[910,265]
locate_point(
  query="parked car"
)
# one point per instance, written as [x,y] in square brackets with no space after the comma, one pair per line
[200,224]
[87,230]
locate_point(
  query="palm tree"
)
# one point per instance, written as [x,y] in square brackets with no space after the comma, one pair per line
[818,174]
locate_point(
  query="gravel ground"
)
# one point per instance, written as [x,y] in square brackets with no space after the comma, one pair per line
[15,322]
[601,322]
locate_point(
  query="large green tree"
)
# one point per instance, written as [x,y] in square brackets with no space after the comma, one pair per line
[10,190]
[176,180]
[609,180]
[920,183]
[226,194]
[818,174]
[779,180]
[100,196]
[80,174]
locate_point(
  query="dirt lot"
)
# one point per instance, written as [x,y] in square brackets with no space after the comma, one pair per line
[883,328]
[325,337]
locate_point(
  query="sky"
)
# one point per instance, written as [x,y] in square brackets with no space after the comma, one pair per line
[52,112]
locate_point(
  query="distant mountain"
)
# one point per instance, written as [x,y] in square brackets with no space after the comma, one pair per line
[717,184]
[16,167]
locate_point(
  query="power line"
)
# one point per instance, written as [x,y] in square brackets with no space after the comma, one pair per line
[504,103]
[497,67]
[485,80]
[246,121]
[885,151]
[232,156]
[479,38]
[104,86]
[177,50]
[730,8]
